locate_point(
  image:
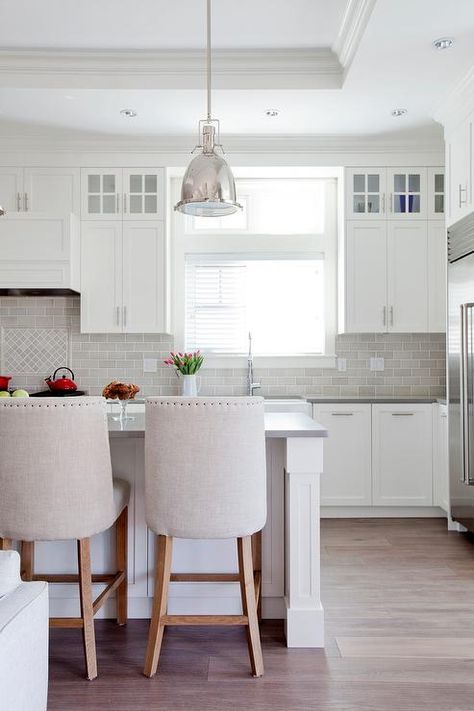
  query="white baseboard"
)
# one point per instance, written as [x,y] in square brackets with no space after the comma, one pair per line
[382,512]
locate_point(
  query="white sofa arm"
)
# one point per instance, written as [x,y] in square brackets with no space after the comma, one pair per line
[24,618]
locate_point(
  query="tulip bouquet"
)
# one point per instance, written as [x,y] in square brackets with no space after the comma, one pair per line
[185,363]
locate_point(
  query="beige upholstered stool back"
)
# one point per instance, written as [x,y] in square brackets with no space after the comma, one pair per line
[205,471]
[55,468]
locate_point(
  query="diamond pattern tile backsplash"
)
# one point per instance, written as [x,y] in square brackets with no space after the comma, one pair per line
[32,351]
[42,333]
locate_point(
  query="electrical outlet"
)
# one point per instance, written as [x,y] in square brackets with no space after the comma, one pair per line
[150,365]
[342,365]
[377,364]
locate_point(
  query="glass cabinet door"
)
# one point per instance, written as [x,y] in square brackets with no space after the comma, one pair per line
[435,193]
[365,190]
[101,190]
[143,194]
[407,192]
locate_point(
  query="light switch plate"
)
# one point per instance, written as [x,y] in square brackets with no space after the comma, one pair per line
[342,364]
[150,365]
[377,364]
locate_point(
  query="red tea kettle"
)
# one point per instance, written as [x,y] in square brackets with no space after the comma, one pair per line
[62,384]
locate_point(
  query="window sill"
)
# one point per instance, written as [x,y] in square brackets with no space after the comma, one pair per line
[296,361]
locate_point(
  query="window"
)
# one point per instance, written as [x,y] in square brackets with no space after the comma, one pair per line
[280,301]
[269,270]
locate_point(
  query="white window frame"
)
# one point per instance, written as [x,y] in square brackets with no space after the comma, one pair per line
[292,247]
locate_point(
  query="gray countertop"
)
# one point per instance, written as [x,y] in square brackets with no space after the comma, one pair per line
[373,400]
[278,425]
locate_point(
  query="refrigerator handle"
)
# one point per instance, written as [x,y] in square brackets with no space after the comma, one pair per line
[466,341]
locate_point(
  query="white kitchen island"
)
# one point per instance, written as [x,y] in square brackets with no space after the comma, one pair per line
[290,541]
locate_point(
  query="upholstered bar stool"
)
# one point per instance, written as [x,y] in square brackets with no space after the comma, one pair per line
[56,484]
[205,478]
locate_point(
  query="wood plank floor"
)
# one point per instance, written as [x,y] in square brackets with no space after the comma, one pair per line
[399,603]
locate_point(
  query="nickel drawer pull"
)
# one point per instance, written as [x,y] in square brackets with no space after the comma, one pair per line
[402,414]
[342,414]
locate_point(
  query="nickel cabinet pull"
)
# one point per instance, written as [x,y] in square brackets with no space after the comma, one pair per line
[124,316]
[125,202]
[342,414]
[25,201]
[383,202]
[391,315]
[390,204]
[18,202]
[384,315]
[402,414]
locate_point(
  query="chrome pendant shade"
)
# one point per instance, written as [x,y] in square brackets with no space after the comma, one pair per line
[208,188]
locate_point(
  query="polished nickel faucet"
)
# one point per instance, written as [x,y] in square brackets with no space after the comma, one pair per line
[251,385]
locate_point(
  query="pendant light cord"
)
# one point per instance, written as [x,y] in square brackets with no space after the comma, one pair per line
[208,60]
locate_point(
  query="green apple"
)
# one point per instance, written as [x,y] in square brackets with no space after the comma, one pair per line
[20,393]
[4,393]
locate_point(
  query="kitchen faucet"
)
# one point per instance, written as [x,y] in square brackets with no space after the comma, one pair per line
[251,385]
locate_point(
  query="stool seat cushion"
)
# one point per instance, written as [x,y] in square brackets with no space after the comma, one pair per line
[121,495]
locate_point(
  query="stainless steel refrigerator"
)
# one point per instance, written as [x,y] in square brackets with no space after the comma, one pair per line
[461,370]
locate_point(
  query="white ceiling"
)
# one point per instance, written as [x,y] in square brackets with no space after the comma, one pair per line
[168,24]
[395,65]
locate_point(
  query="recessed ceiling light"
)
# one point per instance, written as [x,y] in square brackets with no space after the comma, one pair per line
[272,113]
[443,43]
[129,113]
[399,112]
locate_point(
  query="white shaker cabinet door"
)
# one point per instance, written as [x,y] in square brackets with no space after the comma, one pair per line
[143,194]
[54,190]
[402,455]
[366,276]
[101,193]
[441,457]
[347,478]
[11,189]
[407,285]
[101,277]
[144,276]
[437,265]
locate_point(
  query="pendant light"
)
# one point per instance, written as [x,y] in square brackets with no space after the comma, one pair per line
[208,188]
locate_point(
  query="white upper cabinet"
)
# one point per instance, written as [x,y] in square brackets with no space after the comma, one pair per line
[407,193]
[101,277]
[436,194]
[101,193]
[128,193]
[43,190]
[143,277]
[11,189]
[53,190]
[407,276]
[402,455]
[459,163]
[366,276]
[347,479]
[143,194]
[437,265]
[365,193]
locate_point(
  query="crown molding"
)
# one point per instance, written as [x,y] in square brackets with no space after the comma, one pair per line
[170,69]
[354,22]
[458,103]
[300,145]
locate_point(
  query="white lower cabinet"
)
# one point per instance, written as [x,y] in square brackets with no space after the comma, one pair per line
[440,457]
[384,455]
[402,445]
[347,479]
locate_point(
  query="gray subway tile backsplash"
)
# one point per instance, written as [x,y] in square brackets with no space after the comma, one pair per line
[414,363]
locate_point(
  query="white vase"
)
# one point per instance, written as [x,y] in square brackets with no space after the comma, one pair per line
[190,385]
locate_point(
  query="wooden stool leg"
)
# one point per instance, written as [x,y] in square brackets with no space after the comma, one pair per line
[247,588]
[121,540]
[27,560]
[257,567]
[5,544]
[87,612]
[164,550]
